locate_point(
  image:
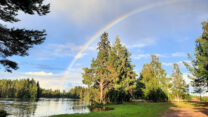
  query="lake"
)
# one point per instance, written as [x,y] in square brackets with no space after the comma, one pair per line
[42,108]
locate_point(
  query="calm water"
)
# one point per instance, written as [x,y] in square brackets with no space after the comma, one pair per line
[42,108]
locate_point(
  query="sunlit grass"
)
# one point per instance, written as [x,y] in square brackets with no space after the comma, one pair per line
[191,104]
[128,110]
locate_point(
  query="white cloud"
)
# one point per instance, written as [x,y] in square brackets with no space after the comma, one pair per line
[167,64]
[143,43]
[141,56]
[136,46]
[60,50]
[92,48]
[180,63]
[39,73]
[179,54]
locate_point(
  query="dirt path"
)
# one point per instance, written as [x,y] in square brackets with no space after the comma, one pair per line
[186,112]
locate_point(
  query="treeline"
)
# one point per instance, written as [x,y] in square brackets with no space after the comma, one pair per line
[30,89]
[24,88]
[75,93]
[111,77]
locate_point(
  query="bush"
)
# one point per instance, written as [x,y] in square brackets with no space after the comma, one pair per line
[118,96]
[157,95]
[3,113]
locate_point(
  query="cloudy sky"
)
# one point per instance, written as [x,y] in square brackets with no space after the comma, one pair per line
[167,28]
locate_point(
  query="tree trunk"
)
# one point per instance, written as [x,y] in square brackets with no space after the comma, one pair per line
[101,92]
[200,97]
[177,97]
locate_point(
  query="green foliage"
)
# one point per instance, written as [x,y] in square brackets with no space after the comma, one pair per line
[155,80]
[24,88]
[9,8]
[121,72]
[97,75]
[199,67]
[18,41]
[30,89]
[49,93]
[157,95]
[111,72]
[78,92]
[179,87]
[118,96]
[138,92]
[3,113]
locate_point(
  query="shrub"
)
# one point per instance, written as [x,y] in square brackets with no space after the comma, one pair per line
[3,113]
[157,95]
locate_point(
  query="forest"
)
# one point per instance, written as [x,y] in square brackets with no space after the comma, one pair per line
[30,89]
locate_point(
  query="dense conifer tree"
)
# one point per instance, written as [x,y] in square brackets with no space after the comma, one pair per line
[199,67]
[121,72]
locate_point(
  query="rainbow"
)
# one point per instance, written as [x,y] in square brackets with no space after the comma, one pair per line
[114,22]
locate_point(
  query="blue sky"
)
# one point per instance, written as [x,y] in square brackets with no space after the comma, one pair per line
[168,31]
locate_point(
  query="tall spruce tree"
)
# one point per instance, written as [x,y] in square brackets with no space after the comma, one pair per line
[138,92]
[14,41]
[121,72]
[155,81]
[179,87]
[199,67]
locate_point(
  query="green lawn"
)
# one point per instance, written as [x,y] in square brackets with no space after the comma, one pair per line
[127,110]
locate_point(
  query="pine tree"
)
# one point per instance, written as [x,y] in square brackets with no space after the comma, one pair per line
[111,72]
[199,67]
[98,75]
[179,87]
[18,41]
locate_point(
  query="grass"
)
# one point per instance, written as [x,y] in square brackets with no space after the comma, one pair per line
[135,109]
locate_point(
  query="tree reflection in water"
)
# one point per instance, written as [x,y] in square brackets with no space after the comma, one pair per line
[43,107]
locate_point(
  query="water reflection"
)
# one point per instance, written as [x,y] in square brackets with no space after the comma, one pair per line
[43,107]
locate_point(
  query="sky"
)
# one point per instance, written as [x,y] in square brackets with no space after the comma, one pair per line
[167,28]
